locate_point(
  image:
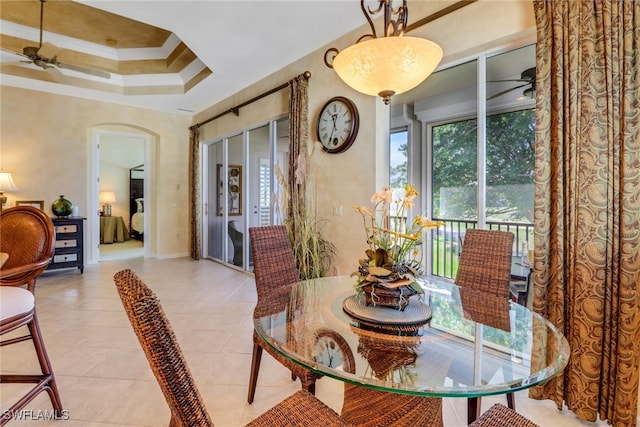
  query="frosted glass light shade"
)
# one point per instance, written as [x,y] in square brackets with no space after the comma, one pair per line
[6,183]
[387,66]
[107,197]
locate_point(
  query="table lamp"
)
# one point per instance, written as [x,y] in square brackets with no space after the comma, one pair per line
[106,199]
[6,184]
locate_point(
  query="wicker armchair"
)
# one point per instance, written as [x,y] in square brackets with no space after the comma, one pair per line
[485,265]
[169,366]
[501,416]
[274,268]
[27,237]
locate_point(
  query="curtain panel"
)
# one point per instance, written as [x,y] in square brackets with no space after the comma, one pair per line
[298,137]
[587,201]
[194,189]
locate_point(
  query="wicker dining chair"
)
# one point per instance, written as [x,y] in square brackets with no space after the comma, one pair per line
[485,261]
[27,238]
[169,366]
[366,407]
[501,416]
[485,265]
[274,268]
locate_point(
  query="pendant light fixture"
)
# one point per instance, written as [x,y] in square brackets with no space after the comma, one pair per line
[389,65]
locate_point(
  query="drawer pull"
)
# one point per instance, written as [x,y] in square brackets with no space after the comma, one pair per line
[65,258]
[71,243]
[67,229]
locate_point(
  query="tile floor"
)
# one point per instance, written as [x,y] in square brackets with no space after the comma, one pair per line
[104,378]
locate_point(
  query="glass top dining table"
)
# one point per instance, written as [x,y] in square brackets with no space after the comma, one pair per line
[471,345]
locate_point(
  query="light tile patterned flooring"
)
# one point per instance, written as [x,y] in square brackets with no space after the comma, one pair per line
[105,380]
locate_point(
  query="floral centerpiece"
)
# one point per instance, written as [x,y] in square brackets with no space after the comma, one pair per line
[387,277]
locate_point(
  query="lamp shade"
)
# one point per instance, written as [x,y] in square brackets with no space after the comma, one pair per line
[6,183]
[387,66]
[107,197]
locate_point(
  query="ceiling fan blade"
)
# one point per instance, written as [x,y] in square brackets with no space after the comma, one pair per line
[506,91]
[49,50]
[56,74]
[90,71]
[12,63]
[14,52]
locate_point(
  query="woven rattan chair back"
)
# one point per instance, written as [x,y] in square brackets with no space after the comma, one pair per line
[162,350]
[27,235]
[273,263]
[501,416]
[485,261]
[366,407]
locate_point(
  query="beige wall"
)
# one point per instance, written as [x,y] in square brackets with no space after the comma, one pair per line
[351,177]
[45,143]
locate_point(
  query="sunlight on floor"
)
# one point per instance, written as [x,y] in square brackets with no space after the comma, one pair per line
[125,250]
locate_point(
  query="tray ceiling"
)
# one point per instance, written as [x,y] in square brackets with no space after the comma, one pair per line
[179,56]
[141,59]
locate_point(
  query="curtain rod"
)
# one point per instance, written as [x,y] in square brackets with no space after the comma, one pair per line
[439,14]
[236,110]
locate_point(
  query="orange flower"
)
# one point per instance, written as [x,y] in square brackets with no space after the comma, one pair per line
[384,196]
[425,222]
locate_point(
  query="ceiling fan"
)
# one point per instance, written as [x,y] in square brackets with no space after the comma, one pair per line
[45,55]
[528,76]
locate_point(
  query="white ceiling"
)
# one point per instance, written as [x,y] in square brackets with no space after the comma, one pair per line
[241,41]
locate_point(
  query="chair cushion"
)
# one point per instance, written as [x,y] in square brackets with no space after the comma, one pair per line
[15,301]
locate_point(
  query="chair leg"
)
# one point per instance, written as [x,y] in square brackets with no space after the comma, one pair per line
[310,386]
[255,368]
[45,365]
[45,381]
[511,401]
[473,409]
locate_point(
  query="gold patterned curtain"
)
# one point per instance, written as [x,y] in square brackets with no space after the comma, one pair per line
[298,135]
[194,189]
[587,201]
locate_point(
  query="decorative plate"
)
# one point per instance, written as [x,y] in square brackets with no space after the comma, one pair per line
[415,313]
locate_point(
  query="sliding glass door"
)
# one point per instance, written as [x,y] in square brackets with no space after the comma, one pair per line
[481,163]
[241,189]
[224,200]
[477,146]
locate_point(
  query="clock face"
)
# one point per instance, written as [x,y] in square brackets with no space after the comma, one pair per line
[331,350]
[338,124]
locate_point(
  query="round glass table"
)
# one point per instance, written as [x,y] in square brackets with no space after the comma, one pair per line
[468,344]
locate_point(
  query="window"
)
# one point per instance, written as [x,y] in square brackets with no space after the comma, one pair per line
[264,198]
[398,172]
[398,158]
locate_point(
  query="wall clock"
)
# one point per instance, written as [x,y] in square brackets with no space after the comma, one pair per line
[338,124]
[332,350]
